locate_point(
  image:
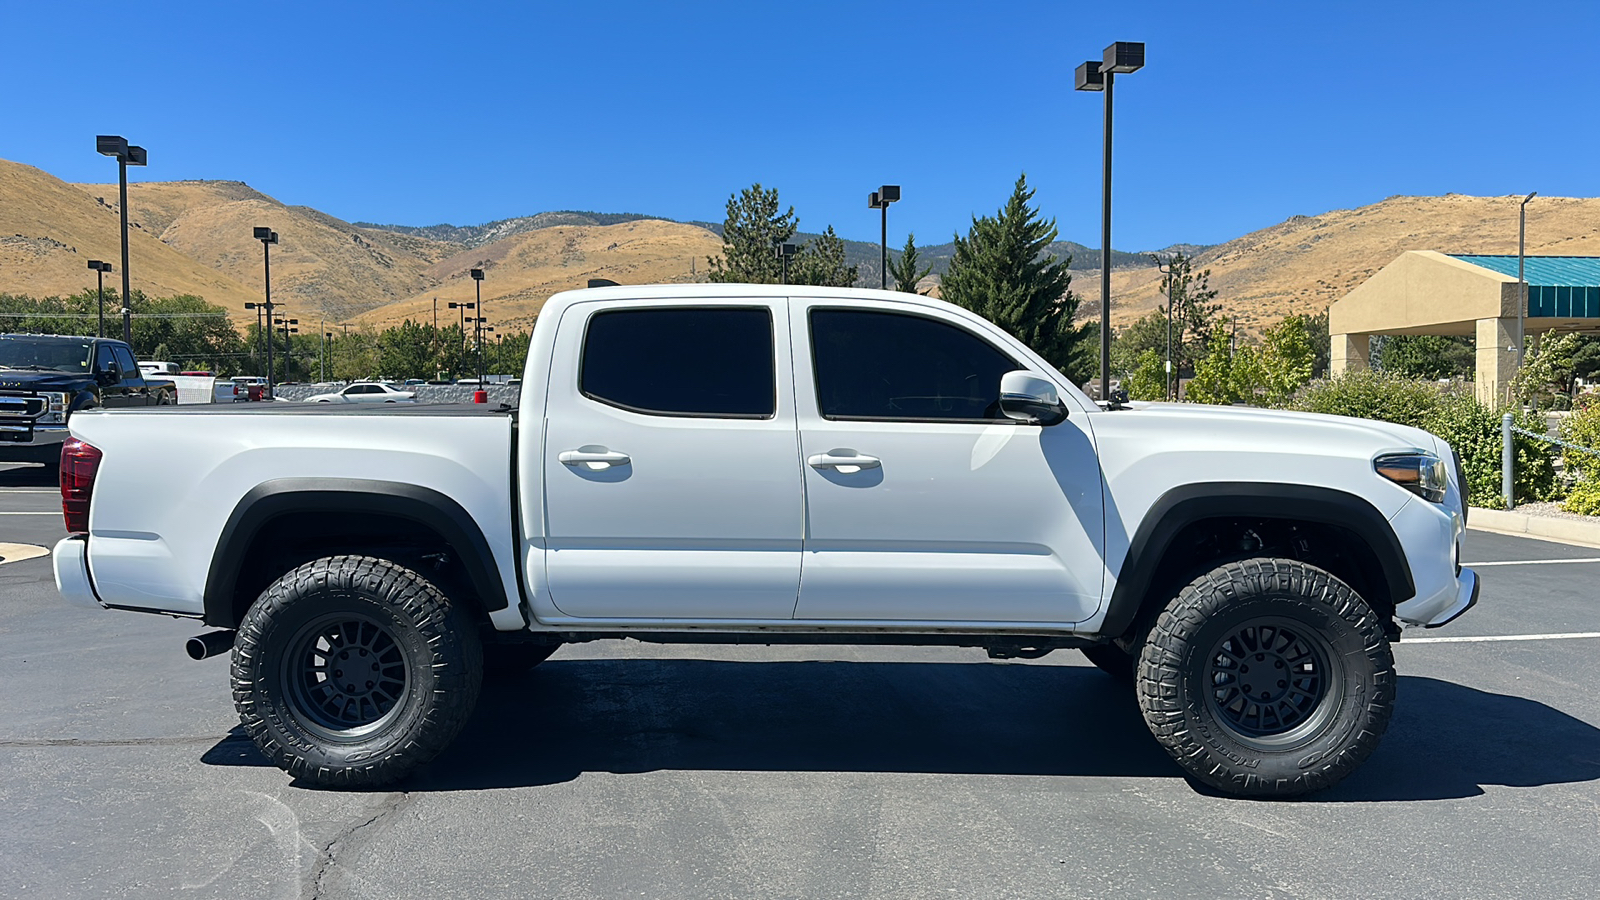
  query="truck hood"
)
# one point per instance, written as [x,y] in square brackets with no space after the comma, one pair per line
[28,380]
[1379,435]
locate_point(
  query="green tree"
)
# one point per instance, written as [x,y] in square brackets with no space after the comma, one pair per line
[752,228]
[905,270]
[1194,311]
[1430,356]
[1146,333]
[1317,332]
[407,351]
[1285,362]
[1148,379]
[1001,271]
[821,262]
[1214,378]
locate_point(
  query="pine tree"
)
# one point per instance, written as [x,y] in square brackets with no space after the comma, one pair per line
[1001,272]
[821,262]
[752,229]
[904,270]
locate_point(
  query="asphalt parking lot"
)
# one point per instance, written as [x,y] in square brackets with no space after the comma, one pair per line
[626,770]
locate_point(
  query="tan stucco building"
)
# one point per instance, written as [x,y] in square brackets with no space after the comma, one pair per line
[1425,292]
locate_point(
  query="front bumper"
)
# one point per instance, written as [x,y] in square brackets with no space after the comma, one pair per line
[71,562]
[1431,535]
[36,443]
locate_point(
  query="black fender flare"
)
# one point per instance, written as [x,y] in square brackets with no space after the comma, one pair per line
[1190,503]
[283,496]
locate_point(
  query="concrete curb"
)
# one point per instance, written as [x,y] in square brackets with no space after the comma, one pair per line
[1567,531]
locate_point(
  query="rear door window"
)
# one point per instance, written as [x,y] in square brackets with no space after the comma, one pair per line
[669,361]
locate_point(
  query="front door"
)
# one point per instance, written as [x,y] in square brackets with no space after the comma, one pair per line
[113,387]
[924,503]
[672,482]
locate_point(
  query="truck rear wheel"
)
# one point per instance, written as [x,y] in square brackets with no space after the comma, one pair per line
[352,671]
[1267,678]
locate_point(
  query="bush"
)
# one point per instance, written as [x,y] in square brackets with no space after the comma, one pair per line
[1584,498]
[1470,427]
[1583,428]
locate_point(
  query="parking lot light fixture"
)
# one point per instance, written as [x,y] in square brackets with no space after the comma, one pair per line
[117,146]
[1119,58]
[477,281]
[880,200]
[100,270]
[784,252]
[267,237]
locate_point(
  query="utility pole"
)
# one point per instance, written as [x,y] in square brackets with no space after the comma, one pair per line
[1522,281]
[1164,266]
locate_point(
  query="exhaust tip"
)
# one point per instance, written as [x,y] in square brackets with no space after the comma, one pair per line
[212,643]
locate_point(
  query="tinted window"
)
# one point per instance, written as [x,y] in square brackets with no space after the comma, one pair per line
[873,365]
[103,360]
[681,362]
[125,360]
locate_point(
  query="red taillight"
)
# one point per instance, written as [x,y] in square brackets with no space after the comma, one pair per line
[79,462]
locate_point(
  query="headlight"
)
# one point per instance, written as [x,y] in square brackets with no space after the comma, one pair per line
[56,412]
[1422,474]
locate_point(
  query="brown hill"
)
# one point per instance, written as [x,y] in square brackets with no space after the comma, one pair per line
[49,230]
[322,267]
[1307,262]
[522,271]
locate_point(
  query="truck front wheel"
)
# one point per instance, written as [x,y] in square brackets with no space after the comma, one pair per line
[352,671]
[1267,678]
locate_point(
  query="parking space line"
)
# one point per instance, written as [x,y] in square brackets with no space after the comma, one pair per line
[29,491]
[1480,639]
[1531,562]
[50,513]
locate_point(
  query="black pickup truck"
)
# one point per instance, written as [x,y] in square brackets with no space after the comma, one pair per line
[46,378]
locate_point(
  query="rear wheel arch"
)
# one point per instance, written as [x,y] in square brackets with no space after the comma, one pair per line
[1340,532]
[282,523]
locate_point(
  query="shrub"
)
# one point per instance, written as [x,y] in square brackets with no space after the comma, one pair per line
[1584,499]
[1471,427]
[1583,428]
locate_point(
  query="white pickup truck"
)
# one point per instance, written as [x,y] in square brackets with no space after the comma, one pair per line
[764,464]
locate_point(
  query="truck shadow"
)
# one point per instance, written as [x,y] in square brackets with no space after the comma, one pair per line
[628,716]
[28,475]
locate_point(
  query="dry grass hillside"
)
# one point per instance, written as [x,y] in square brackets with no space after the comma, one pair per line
[1307,262]
[522,271]
[49,230]
[322,267]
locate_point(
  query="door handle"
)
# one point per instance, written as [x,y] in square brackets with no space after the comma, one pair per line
[594,459]
[845,463]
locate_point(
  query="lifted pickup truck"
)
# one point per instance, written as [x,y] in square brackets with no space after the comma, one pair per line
[764,464]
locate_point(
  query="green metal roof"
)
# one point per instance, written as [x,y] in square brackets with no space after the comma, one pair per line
[1559,287]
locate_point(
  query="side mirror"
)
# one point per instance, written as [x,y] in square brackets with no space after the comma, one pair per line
[108,376]
[1028,398]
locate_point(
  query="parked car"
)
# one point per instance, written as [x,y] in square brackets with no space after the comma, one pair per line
[779,464]
[365,392]
[46,379]
[250,387]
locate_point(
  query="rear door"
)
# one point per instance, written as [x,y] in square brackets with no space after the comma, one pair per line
[672,478]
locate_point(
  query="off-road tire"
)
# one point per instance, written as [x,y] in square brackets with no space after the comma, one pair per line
[1113,660]
[431,662]
[504,659]
[1188,663]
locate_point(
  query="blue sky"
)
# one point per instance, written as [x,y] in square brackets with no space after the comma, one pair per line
[462,112]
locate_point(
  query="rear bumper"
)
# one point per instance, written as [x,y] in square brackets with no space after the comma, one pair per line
[71,562]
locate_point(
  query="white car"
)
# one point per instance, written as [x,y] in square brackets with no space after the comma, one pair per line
[365,392]
[767,464]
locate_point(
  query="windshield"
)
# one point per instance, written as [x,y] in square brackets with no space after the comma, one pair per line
[67,356]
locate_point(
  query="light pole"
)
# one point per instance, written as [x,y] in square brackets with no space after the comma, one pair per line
[1164,266]
[1099,75]
[477,281]
[462,316]
[880,200]
[1522,281]
[268,237]
[322,354]
[285,322]
[100,270]
[784,252]
[115,145]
